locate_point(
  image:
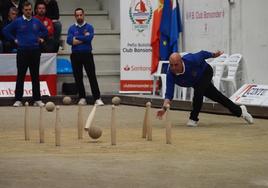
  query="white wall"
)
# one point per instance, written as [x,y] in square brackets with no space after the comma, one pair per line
[205,25]
[243,29]
[113,6]
[248,36]
[254,26]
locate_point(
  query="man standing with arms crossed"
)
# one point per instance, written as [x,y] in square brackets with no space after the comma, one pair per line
[29,33]
[80,36]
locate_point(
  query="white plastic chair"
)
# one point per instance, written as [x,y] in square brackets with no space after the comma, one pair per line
[160,73]
[232,63]
[218,66]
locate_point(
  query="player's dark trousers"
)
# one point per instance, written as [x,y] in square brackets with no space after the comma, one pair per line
[28,59]
[206,88]
[80,59]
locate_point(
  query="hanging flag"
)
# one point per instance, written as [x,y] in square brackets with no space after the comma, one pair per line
[155,38]
[165,27]
[165,32]
[175,26]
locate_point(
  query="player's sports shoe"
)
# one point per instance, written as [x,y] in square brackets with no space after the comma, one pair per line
[191,123]
[246,115]
[38,103]
[17,104]
[82,101]
[99,102]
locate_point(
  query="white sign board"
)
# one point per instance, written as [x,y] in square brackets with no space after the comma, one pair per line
[205,25]
[136,20]
[7,89]
[251,94]
[47,70]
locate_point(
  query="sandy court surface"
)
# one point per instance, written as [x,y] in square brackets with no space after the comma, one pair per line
[222,152]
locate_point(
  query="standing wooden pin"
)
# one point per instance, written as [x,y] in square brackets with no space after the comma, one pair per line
[26,122]
[115,101]
[41,126]
[57,127]
[113,126]
[148,121]
[144,126]
[80,122]
[168,126]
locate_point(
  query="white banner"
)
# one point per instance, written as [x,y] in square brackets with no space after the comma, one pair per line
[7,89]
[136,20]
[9,66]
[251,94]
[48,70]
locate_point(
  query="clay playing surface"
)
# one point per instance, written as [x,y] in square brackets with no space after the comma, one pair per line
[222,152]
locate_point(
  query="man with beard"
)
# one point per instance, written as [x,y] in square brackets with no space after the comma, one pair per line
[53,13]
[50,44]
[80,36]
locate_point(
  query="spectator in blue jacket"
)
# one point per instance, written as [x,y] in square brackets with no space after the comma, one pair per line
[28,33]
[79,37]
[192,70]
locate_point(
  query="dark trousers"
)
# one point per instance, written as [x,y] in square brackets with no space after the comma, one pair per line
[10,47]
[79,60]
[50,46]
[25,59]
[58,28]
[206,88]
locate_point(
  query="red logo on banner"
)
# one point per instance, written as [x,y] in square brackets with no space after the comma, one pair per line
[136,85]
[136,68]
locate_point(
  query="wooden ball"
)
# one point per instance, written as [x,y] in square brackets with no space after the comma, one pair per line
[50,106]
[67,100]
[116,100]
[94,132]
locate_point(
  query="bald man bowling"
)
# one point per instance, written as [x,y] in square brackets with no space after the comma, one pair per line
[192,70]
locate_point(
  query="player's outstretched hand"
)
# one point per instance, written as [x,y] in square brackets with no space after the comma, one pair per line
[160,113]
[217,53]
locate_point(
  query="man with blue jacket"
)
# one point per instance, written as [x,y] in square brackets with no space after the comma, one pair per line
[28,33]
[192,70]
[80,36]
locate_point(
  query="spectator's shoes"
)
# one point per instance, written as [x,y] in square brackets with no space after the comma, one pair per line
[99,102]
[82,101]
[192,123]
[38,103]
[62,44]
[17,104]
[246,115]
